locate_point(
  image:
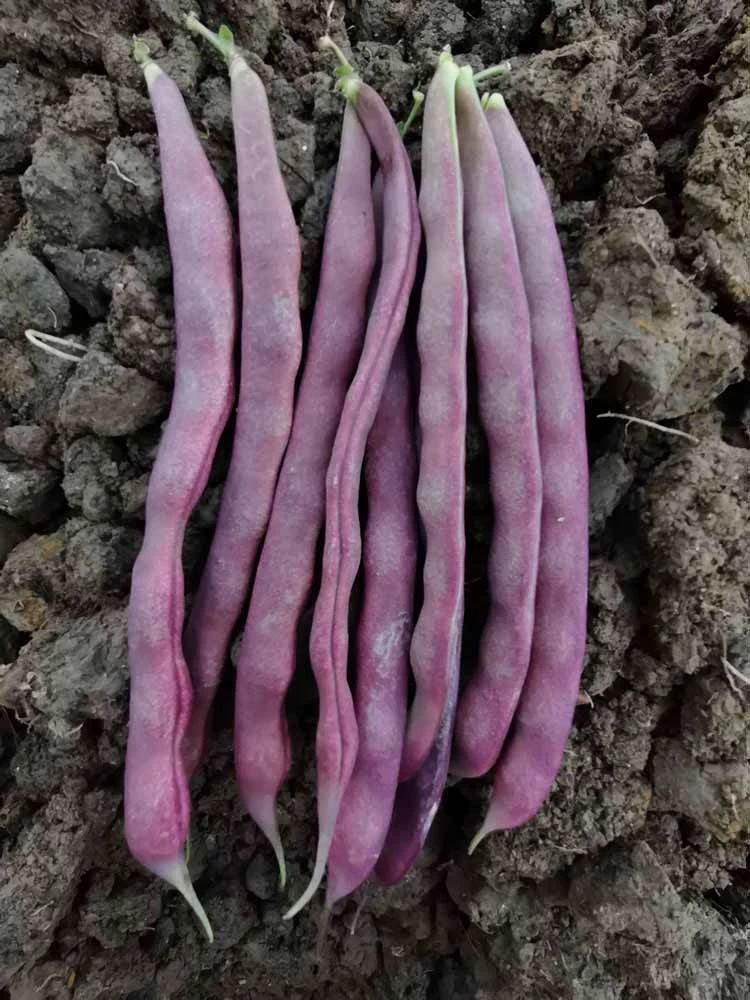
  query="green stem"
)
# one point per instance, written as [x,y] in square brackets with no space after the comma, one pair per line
[344,67]
[141,52]
[415,109]
[487,74]
[223,41]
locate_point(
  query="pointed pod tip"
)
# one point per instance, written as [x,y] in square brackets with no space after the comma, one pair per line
[305,898]
[321,859]
[262,808]
[175,872]
[477,840]
[278,850]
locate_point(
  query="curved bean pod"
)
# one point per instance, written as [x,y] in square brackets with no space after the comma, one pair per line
[286,567]
[531,757]
[441,338]
[383,635]
[199,226]
[500,330]
[336,738]
[271,345]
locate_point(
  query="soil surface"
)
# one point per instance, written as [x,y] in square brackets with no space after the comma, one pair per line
[631,884]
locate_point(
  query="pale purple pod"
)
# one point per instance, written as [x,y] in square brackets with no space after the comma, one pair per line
[200,231]
[531,758]
[336,738]
[441,339]
[383,636]
[500,331]
[287,562]
[270,345]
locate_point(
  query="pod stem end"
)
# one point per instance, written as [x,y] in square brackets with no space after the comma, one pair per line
[141,52]
[501,69]
[416,107]
[222,41]
[344,67]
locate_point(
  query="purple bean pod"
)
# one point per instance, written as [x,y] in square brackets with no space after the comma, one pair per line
[531,758]
[441,338]
[383,636]
[271,345]
[337,739]
[201,239]
[287,563]
[500,331]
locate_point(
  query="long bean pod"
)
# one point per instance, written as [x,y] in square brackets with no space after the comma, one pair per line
[285,570]
[271,345]
[336,738]
[441,339]
[200,231]
[383,636]
[500,331]
[531,757]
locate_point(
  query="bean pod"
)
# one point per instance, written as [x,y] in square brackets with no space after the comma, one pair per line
[287,563]
[532,755]
[270,346]
[336,738]
[441,339]
[383,636]
[500,330]
[200,230]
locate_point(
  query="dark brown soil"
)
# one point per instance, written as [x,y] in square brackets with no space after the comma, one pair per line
[632,883]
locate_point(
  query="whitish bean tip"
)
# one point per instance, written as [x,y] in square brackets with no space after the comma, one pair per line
[321,858]
[175,872]
[278,850]
[305,898]
[477,839]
